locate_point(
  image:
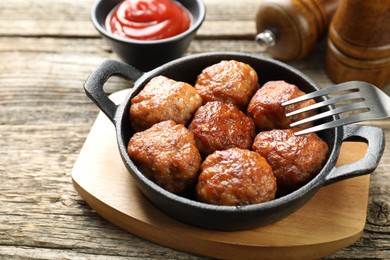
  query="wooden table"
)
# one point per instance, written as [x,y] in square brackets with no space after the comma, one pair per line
[47,49]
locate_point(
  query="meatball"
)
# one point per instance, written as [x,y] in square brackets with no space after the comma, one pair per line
[163,99]
[166,153]
[220,126]
[266,110]
[235,177]
[295,160]
[231,82]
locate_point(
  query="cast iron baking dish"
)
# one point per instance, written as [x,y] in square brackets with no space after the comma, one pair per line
[229,217]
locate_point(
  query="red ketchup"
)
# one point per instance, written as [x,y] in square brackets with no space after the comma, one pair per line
[149,19]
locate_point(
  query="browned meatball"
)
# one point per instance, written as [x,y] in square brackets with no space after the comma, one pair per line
[163,99]
[266,110]
[167,154]
[295,160]
[235,177]
[219,126]
[232,82]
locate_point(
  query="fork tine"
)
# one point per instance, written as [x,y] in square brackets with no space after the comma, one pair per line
[339,122]
[332,112]
[366,96]
[324,91]
[354,95]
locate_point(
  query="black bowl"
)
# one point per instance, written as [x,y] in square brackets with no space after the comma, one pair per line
[230,217]
[146,55]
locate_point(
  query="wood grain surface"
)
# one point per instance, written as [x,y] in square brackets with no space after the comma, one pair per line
[47,49]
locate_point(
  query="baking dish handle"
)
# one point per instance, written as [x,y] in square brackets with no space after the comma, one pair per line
[94,84]
[375,139]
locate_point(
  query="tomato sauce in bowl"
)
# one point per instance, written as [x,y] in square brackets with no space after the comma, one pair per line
[148,19]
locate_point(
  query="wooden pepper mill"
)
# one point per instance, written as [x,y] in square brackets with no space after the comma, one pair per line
[358,46]
[289,29]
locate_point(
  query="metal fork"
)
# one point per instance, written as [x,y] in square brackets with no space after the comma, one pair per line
[361,96]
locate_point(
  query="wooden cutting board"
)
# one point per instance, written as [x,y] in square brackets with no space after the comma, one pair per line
[333,219]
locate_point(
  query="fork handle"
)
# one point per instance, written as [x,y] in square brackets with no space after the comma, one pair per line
[375,139]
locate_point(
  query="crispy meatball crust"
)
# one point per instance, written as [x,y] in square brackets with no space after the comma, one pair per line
[235,177]
[163,99]
[231,82]
[220,126]
[167,154]
[266,110]
[295,160]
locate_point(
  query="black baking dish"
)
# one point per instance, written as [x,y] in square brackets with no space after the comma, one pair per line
[229,217]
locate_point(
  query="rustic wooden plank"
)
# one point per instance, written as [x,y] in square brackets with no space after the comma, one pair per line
[48,10]
[26,224]
[20,50]
[85,29]
[61,19]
